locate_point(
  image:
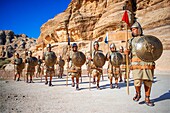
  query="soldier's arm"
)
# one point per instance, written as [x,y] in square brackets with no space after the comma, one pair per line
[107,56]
[13,61]
[43,56]
[68,58]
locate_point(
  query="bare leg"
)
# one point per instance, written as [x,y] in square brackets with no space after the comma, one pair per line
[116,83]
[77,83]
[72,78]
[98,80]
[111,85]
[18,77]
[46,80]
[50,83]
[27,78]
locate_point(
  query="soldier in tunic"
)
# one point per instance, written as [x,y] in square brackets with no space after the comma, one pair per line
[60,63]
[38,70]
[88,64]
[123,65]
[74,71]
[30,67]
[18,66]
[96,71]
[142,71]
[50,59]
[113,71]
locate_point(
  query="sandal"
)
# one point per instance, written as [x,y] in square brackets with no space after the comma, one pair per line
[73,84]
[148,102]
[111,86]
[137,97]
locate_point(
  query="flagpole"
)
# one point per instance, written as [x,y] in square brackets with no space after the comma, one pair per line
[125,18]
[42,57]
[68,47]
[127,60]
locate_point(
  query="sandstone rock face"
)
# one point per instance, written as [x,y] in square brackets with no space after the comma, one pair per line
[154,17]
[11,42]
[82,20]
[86,19]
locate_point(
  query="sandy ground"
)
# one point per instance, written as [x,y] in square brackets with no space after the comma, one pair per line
[21,97]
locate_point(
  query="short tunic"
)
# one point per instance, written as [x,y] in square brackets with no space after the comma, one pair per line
[144,74]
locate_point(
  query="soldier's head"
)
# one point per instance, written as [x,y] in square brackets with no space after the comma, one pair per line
[112,47]
[29,53]
[121,49]
[60,57]
[17,55]
[136,29]
[48,47]
[96,45]
[74,47]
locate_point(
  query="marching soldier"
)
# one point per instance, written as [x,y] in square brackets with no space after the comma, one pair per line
[50,59]
[18,62]
[61,63]
[38,70]
[88,64]
[74,71]
[31,62]
[142,71]
[114,65]
[123,65]
[96,70]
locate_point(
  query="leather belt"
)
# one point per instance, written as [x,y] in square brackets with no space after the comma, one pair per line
[142,67]
[123,66]
[109,71]
[72,71]
[136,59]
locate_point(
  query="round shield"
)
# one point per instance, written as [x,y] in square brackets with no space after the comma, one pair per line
[124,59]
[99,59]
[78,58]
[33,61]
[116,58]
[149,48]
[61,63]
[19,61]
[50,58]
[22,66]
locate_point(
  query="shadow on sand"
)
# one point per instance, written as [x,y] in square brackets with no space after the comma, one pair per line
[165,96]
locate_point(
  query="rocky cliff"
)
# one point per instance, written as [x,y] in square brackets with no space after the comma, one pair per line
[11,42]
[85,19]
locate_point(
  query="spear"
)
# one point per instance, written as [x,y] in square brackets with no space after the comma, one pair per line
[126,19]
[14,66]
[90,63]
[24,62]
[42,56]
[68,59]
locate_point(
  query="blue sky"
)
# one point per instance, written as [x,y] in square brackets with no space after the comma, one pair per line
[27,16]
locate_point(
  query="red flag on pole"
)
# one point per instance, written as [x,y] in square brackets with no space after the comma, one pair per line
[125,18]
